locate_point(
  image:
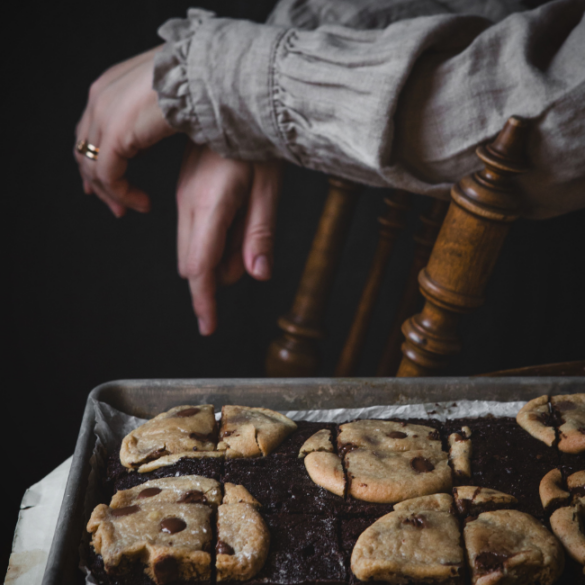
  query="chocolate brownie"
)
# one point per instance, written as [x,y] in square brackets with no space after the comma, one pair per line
[571,463]
[121,478]
[281,484]
[293,443]
[134,576]
[304,549]
[506,458]
[351,528]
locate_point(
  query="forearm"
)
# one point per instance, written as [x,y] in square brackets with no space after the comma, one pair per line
[404,106]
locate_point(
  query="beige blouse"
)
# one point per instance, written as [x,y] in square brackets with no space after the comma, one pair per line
[400,96]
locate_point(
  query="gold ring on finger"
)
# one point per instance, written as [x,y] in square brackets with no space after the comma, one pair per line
[87,149]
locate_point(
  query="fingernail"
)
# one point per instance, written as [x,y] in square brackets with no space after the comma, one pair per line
[203,327]
[261,268]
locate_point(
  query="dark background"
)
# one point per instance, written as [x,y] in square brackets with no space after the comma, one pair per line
[89,298]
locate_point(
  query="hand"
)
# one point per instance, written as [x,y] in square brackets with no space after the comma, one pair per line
[122,117]
[227,216]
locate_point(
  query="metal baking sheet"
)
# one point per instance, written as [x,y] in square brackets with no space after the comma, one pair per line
[146,398]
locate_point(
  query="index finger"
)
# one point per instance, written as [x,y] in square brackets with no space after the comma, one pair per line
[206,247]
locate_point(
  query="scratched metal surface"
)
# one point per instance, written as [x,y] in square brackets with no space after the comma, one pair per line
[145,398]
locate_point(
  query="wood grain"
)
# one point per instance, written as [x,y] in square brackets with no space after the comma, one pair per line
[483,205]
[392,222]
[296,352]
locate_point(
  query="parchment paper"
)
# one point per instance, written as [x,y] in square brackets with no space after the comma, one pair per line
[112,426]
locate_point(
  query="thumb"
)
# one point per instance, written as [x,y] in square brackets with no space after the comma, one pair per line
[258,241]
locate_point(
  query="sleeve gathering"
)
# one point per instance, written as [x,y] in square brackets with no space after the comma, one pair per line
[403,106]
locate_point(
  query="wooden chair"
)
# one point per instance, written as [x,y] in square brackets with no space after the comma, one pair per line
[452,278]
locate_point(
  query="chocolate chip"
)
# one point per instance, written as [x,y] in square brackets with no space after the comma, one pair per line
[543,418]
[490,562]
[166,569]
[434,436]
[172,525]
[579,491]
[149,492]
[397,435]
[199,437]
[188,412]
[565,405]
[223,548]
[227,434]
[118,512]
[193,497]
[581,430]
[421,465]
[416,520]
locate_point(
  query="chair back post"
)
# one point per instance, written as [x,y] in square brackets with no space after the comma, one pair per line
[392,222]
[296,352]
[483,205]
[411,300]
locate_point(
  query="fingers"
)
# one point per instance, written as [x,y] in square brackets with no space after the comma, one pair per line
[185,204]
[261,220]
[206,247]
[210,192]
[121,119]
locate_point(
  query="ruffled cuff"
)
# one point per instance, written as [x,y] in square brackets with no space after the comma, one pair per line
[214,79]
[171,79]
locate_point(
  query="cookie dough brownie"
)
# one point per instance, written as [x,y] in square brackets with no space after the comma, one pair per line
[281,484]
[419,542]
[507,459]
[183,429]
[507,546]
[164,526]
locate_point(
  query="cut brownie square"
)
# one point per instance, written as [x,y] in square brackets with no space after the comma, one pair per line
[351,508]
[281,484]
[304,549]
[506,458]
[571,463]
[121,478]
[293,443]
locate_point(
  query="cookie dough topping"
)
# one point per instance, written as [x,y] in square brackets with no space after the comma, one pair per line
[472,500]
[183,429]
[380,435]
[535,418]
[238,494]
[567,525]
[389,477]
[418,543]
[326,470]
[173,540]
[252,432]
[243,539]
[320,441]
[576,484]
[570,409]
[187,489]
[460,452]
[551,490]
[507,546]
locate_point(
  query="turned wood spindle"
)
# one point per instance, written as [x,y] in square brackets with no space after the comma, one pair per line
[483,205]
[392,222]
[424,240]
[296,352]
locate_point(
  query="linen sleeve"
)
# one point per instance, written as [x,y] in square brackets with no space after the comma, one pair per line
[376,14]
[405,106]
